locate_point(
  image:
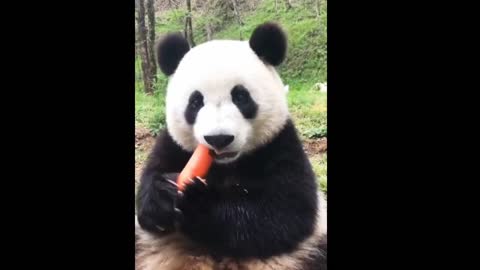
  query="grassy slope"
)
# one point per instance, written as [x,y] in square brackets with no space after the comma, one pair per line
[304,67]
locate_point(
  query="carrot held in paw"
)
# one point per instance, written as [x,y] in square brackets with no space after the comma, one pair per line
[197,166]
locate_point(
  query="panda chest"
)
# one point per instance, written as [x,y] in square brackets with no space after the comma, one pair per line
[231,186]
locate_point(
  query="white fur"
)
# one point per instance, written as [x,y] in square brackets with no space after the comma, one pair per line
[214,68]
[322,213]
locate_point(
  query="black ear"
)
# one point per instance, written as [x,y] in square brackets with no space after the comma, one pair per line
[269,42]
[170,50]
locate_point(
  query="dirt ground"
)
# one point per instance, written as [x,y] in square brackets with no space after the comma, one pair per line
[315,146]
[144,142]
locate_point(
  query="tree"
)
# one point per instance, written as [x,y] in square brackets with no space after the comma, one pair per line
[188,25]
[236,12]
[151,38]
[208,29]
[143,46]
[145,39]
[288,5]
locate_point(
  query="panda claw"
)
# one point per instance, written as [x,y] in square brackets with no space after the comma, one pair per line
[160,228]
[172,182]
[178,215]
[204,181]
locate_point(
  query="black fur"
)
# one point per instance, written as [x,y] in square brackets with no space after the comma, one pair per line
[242,99]
[219,141]
[269,42]
[262,205]
[170,50]
[156,198]
[195,103]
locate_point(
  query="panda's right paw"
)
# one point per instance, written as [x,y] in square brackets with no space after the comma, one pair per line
[157,211]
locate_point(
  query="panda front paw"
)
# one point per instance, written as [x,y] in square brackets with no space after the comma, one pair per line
[157,212]
[195,195]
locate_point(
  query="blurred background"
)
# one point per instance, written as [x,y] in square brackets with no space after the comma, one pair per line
[304,70]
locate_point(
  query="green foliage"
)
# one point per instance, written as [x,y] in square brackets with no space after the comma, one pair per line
[319,165]
[307,37]
[316,132]
[309,112]
[150,109]
[306,60]
[171,21]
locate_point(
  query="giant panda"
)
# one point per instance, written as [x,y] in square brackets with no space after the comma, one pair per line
[258,207]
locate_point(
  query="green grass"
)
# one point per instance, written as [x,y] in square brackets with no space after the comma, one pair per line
[140,156]
[150,109]
[319,165]
[309,112]
[306,60]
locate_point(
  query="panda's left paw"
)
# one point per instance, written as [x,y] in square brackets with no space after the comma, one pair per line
[196,184]
[195,192]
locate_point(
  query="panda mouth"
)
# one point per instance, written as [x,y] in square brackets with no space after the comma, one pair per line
[225,155]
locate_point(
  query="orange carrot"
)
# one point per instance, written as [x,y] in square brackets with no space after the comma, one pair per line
[197,166]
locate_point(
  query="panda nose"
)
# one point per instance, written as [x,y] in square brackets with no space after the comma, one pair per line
[219,141]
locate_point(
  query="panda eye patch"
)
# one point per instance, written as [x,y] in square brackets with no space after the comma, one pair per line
[195,103]
[196,100]
[244,102]
[240,97]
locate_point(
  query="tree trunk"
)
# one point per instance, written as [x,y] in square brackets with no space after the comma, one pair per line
[288,5]
[237,13]
[192,42]
[188,25]
[208,29]
[143,46]
[138,75]
[136,40]
[185,29]
[151,39]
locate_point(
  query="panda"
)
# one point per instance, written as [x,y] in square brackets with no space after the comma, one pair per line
[258,207]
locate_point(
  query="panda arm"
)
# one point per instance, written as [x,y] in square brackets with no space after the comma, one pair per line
[166,156]
[285,215]
[156,196]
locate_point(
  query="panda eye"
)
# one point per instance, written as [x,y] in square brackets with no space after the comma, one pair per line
[244,102]
[196,103]
[196,100]
[240,97]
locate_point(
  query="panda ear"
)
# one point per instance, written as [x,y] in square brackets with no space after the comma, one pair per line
[269,42]
[170,50]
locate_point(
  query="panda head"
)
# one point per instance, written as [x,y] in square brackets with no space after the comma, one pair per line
[225,94]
